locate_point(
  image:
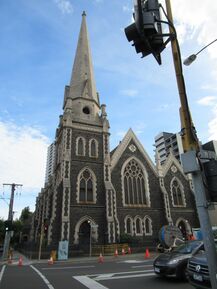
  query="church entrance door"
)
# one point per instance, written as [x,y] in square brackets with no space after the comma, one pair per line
[84,237]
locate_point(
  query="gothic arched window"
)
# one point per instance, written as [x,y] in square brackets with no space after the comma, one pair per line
[129,226]
[86,187]
[148,226]
[177,193]
[80,146]
[93,148]
[138,226]
[135,184]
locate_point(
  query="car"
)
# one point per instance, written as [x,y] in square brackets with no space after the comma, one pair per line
[198,271]
[174,263]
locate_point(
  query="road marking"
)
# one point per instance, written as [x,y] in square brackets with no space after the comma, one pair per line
[2,272]
[142,266]
[104,277]
[43,277]
[72,267]
[89,283]
[121,273]
[135,261]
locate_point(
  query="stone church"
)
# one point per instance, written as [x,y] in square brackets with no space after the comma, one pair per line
[108,194]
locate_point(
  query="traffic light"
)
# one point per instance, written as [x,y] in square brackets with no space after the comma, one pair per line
[210,170]
[146,31]
[8,225]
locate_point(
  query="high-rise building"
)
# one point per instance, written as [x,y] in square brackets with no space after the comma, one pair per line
[50,162]
[101,195]
[166,143]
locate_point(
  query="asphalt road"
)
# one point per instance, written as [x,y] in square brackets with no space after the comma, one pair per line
[113,274]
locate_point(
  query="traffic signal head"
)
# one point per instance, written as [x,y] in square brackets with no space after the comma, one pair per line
[146,31]
[210,169]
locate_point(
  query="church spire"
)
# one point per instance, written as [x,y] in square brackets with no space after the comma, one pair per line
[82,82]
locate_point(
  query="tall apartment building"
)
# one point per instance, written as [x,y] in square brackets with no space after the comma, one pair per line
[50,162]
[165,142]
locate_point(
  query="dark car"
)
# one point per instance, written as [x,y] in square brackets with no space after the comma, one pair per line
[198,272]
[175,262]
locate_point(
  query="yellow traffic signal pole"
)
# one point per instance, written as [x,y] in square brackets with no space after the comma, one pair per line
[190,158]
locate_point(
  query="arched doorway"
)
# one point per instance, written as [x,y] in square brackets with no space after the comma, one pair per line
[184,227]
[84,236]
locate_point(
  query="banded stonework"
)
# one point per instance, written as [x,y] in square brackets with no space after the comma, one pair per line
[100,195]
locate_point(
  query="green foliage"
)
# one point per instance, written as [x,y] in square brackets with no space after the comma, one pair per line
[25,214]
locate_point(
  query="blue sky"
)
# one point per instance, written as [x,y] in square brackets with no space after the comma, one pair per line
[38,42]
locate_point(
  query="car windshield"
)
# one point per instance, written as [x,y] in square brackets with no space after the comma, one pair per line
[187,247]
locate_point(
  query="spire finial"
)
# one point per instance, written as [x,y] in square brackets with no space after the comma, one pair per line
[84,13]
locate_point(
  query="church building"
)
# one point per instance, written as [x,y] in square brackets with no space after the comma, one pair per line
[108,194]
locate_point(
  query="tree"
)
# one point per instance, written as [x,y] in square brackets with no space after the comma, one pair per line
[2,230]
[25,215]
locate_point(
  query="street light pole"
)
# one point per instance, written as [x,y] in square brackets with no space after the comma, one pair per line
[8,233]
[190,159]
[90,241]
[192,57]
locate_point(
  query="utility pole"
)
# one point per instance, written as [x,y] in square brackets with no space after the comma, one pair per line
[191,158]
[8,233]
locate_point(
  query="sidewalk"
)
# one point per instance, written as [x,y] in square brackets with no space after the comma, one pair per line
[75,260]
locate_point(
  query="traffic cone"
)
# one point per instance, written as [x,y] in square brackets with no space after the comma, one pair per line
[20,262]
[101,259]
[10,259]
[123,252]
[116,253]
[147,254]
[50,261]
[129,250]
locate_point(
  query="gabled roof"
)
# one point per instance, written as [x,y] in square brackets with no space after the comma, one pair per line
[171,159]
[130,135]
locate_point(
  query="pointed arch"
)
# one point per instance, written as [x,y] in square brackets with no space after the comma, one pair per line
[138,226]
[78,225]
[128,225]
[93,148]
[177,193]
[135,185]
[86,186]
[148,226]
[80,146]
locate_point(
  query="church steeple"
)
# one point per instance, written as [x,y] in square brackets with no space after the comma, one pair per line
[82,82]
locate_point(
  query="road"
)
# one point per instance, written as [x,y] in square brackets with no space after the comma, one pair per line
[113,274]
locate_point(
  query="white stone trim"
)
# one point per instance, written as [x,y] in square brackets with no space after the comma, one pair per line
[146,179]
[97,148]
[150,224]
[140,224]
[182,192]
[83,144]
[94,185]
[131,225]
[124,144]
[77,228]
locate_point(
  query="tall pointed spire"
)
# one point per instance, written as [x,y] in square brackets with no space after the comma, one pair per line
[82,82]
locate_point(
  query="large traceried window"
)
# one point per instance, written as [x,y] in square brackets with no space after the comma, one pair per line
[80,146]
[87,185]
[135,184]
[177,193]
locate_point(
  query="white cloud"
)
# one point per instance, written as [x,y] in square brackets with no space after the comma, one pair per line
[65,6]
[129,92]
[199,20]
[207,100]
[212,125]
[126,8]
[23,156]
